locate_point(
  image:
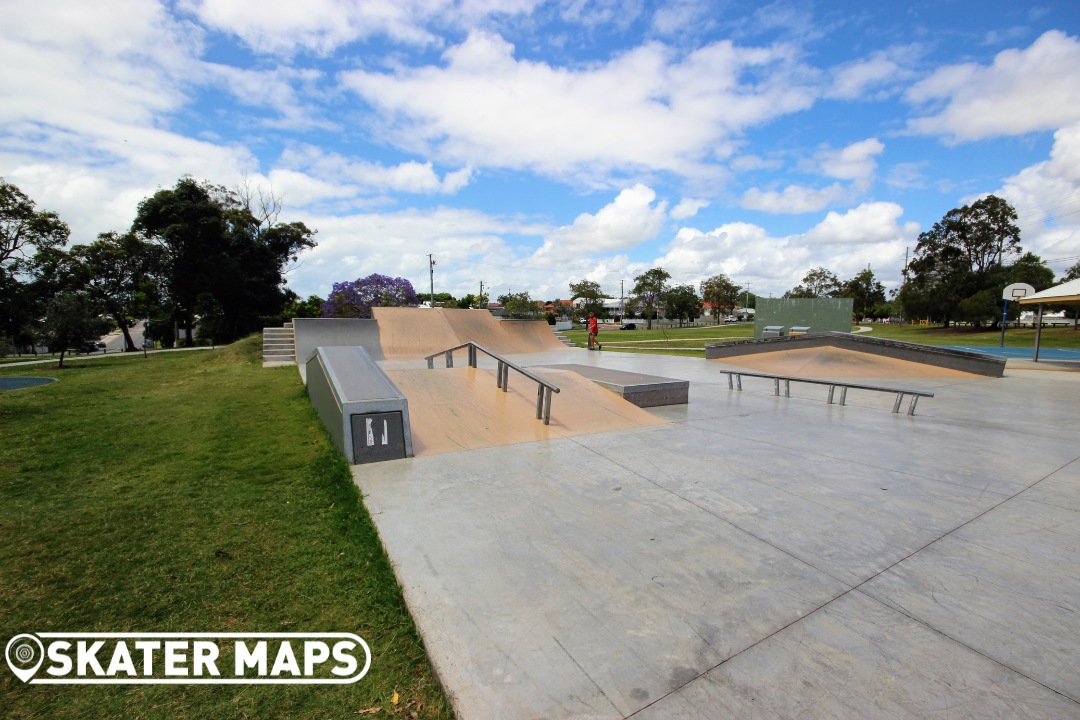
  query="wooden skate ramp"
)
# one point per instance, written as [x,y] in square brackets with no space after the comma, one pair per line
[406,333]
[410,333]
[833,362]
[535,335]
[462,409]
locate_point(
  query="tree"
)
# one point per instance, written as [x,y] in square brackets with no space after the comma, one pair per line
[27,236]
[118,273]
[865,291]
[649,288]
[22,229]
[354,299]
[214,242]
[818,283]
[297,308]
[71,321]
[682,302]
[520,306]
[959,257]
[589,292]
[720,293]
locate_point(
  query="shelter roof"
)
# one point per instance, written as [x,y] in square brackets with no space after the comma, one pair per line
[1067,292]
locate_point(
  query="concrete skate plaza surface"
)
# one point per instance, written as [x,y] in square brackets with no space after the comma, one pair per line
[756,556]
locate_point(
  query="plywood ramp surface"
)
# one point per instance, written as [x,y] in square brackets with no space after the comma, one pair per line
[412,333]
[830,362]
[533,335]
[462,409]
[409,333]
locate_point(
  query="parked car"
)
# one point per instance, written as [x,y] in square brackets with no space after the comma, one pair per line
[628,326]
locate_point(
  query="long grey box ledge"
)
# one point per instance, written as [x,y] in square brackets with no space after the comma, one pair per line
[637,388]
[972,362]
[363,410]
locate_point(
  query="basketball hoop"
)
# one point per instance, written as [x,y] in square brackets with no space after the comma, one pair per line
[1012,292]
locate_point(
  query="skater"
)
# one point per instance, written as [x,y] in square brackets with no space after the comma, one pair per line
[594,329]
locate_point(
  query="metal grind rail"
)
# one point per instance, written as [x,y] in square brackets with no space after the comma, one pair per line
[502,377]
[844,387]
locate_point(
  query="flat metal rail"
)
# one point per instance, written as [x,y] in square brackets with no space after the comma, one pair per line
[735,378]
[544,389]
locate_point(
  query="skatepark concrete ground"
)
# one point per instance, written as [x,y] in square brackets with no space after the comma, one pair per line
[755,556]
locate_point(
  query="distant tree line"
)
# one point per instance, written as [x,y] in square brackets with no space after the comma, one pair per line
[959,270]
[200,261]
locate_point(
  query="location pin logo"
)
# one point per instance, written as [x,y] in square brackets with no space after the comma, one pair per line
[24,655]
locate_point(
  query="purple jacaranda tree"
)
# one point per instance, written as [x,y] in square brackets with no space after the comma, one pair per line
[354,299]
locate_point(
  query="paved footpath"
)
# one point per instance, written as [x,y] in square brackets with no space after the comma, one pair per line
[757,556]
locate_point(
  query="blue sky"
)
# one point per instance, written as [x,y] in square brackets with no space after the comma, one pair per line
[528,144]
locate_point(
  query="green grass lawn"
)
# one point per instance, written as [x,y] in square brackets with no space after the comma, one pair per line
[691,342]
[192,492]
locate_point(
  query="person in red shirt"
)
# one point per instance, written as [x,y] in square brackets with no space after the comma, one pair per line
[594,329]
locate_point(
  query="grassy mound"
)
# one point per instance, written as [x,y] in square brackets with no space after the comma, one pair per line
[192,492]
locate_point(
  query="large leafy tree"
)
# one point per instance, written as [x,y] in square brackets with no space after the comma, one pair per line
[1072,273]
[588,291]
[220,251]
[866,292]
[24,231]
[682,302]
[355,298]
[649,289]
[119,273]
[721,294]
[72,319]
[297,308]
[520,306]
[29,239]
[960,258]
[818,283]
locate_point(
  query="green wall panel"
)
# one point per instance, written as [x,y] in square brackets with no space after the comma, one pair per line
[819,314]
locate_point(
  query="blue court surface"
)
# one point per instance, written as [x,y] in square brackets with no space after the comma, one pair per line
[1020,353]
[18,383]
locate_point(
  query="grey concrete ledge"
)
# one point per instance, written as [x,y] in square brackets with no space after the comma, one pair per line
[962,360]
[637,388]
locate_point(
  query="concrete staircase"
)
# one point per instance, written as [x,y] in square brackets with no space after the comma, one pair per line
[563,339]
[279,345]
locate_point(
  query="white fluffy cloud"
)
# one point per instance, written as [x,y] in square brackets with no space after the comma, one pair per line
[630,219]
[687,208]
[1047,199]
[1022,91]
[364,177]
[875,76]
[870,234]
[793,199]
[643,110]
[868,224]
[854,162]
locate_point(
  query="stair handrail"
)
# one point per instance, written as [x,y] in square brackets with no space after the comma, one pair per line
[544,388]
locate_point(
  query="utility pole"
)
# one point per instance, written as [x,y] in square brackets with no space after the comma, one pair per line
[622,301]
[431,272]
[480,297]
